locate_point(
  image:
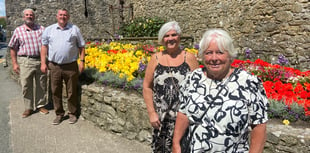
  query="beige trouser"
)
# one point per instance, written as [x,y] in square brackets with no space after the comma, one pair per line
[33,81]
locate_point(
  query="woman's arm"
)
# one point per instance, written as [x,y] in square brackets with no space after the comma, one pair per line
[258,138]
[181,125]
[148,92]
[82,59]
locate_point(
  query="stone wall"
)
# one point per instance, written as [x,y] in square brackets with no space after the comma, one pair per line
[113,110]
[125,114]
[268,27]
[93,17]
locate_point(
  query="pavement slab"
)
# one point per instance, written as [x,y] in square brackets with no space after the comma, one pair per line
[36,134]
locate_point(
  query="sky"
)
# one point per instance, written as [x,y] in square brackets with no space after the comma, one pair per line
[2,8]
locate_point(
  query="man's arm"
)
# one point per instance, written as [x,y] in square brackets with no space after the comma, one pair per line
[14,60]
[43,54]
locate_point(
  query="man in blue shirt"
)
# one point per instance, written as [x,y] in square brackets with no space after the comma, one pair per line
[62,45]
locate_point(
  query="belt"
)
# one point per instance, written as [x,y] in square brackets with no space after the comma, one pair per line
[54,63]
[29,56]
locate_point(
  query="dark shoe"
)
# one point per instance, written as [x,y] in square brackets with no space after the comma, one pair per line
[27,113]
[42,110]
[57,120]
[72,119]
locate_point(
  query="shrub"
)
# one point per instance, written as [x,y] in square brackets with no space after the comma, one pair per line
[142,27]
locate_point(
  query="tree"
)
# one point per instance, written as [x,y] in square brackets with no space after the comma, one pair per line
[3,23]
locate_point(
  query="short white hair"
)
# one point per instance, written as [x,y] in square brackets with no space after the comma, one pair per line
[27,9]
[172,25]
[222,39]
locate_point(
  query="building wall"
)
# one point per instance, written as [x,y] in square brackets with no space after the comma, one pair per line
[267,27]
[93,17]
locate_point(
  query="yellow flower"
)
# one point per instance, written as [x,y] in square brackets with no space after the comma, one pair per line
[286,122]
[139,53]
[191,50]
[121,75]
[123,59]
[161,48]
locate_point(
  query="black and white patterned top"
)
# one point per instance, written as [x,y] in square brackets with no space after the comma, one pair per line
[222,110]
[167,80]
[166,88]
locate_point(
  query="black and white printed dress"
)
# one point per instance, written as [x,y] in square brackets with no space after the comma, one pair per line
[166,102]
[222,111]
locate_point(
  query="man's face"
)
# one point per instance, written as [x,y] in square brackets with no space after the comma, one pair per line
[62,17]
[29,17]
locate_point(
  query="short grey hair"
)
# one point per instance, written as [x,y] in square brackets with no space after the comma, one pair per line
[172,25]
[223,40]
[63,9]
[27,9]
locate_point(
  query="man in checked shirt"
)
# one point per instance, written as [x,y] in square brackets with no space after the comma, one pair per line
[25,46]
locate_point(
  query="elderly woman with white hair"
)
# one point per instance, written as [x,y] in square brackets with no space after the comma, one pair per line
[221,105]
[161,85]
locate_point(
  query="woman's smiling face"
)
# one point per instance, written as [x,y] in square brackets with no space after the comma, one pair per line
[217,62]
[171,40]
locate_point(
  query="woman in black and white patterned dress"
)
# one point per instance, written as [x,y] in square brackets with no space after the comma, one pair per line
[221,105]
[161,84]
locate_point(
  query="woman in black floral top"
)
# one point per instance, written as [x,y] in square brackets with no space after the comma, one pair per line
[161,85]
[221,105]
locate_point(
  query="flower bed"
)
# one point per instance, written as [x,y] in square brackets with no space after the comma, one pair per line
[122,65]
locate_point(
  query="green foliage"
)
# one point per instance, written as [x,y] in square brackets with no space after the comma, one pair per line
[113,80]
[280,110]
[3,22]
[142,27]
[88,76]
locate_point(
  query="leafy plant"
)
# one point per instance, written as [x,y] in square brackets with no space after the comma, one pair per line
[280,110]
[3,22]
[113,80]
[142,27]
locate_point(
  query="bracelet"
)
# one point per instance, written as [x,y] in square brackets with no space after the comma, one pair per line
[82,60]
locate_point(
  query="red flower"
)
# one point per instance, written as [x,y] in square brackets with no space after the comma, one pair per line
[307,86]
[298,88]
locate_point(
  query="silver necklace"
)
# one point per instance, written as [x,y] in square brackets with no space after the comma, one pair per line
[221,84]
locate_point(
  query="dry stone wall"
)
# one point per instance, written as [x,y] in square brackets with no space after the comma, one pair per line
[267,27]
[125,114]
[93,17]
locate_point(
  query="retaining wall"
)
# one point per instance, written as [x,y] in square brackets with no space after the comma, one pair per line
[124,113]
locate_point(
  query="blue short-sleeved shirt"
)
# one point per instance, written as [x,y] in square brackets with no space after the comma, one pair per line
[63,44]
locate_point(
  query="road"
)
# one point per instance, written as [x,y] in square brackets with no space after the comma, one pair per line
[8,89]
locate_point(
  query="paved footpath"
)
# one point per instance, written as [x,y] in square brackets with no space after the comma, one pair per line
[36,134]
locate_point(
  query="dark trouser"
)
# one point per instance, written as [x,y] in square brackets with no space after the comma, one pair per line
[68,73]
